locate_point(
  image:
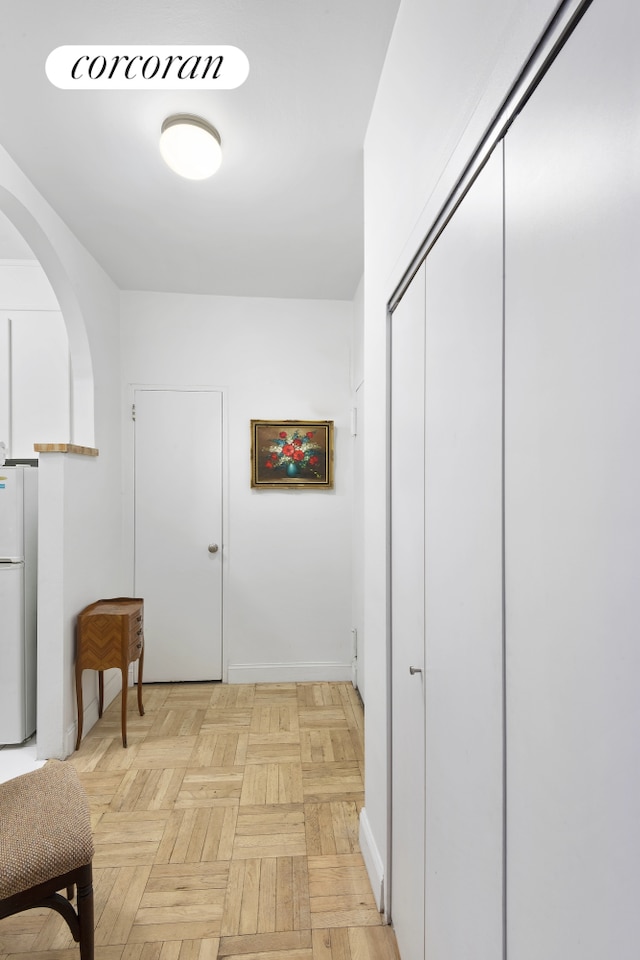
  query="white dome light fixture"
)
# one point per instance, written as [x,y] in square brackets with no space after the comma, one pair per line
[190,146]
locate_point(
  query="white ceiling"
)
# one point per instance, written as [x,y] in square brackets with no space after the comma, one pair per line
[283,216]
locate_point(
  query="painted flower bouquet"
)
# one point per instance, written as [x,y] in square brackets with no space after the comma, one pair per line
[294,454]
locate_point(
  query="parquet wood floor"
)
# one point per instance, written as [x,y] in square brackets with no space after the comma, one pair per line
[227,830]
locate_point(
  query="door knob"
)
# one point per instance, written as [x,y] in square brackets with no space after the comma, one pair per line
[213,548]
[413,670]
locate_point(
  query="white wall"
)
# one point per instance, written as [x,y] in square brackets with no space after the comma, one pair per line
[287,558]
[83,545]
[357,353]
[447,70]
[357,381]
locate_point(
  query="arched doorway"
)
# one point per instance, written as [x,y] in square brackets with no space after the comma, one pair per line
[30,239]
[25,231]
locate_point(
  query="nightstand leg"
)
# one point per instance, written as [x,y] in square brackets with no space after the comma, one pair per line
[100,692]
[140,666]
[125,677]
[80,706]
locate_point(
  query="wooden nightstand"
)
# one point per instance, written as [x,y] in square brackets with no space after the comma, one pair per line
[110,634]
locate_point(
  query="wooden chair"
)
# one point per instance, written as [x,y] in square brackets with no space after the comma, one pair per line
[46,845]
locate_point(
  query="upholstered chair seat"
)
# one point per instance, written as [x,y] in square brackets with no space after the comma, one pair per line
[46,845]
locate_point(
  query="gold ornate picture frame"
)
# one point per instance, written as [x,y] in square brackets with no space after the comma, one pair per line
[292,453]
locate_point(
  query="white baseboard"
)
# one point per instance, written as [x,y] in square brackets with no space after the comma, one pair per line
[112,687]
[70,736]
[372,859]
[287,672]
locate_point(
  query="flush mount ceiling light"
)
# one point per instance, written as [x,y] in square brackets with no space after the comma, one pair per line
[190,146]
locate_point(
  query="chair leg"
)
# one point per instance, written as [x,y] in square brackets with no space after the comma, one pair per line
[84,905]
[80,921]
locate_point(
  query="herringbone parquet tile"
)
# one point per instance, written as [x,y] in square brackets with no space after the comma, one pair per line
[227,830]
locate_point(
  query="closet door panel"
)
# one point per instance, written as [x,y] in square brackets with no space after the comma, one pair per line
[572,482]
[463,578]
[407,620]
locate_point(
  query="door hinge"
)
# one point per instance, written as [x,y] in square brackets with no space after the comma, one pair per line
[133,411]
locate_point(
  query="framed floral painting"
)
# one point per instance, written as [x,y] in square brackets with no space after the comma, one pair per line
[292,453]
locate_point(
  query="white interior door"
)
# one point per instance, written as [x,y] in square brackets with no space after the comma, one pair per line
[178,531]
[407,620]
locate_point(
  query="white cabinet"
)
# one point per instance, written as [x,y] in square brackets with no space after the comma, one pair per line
[35,376]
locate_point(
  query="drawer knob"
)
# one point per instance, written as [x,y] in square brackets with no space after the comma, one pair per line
[213,548]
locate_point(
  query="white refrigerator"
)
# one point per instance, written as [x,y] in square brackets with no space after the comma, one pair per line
[18,603]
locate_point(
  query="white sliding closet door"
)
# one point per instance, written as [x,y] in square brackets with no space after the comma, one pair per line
[446,588]
[407,620]
[463,578]
[573,500]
